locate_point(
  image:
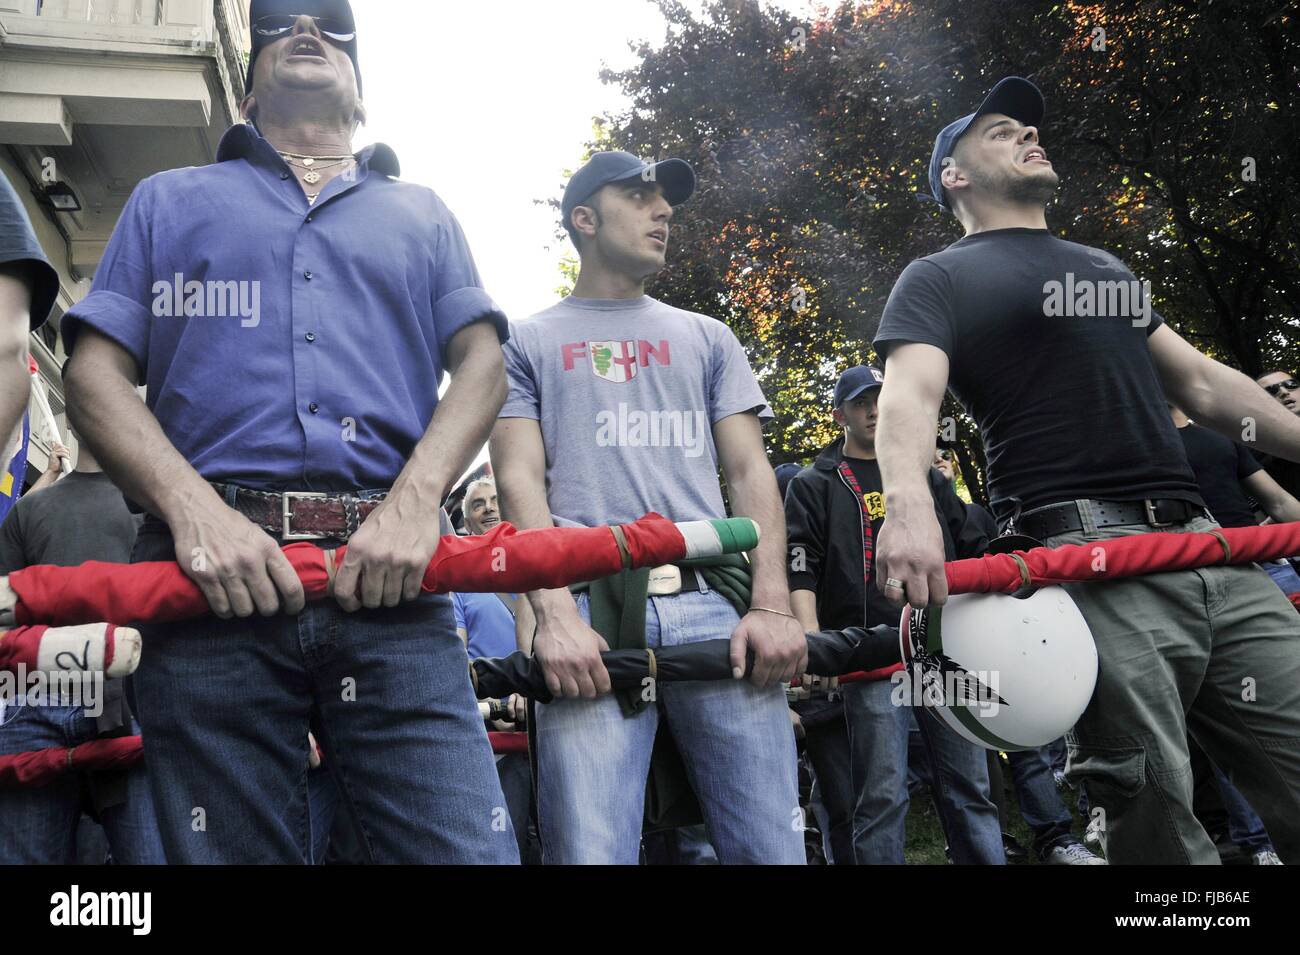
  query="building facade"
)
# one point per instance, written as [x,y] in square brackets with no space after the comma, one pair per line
[96,95]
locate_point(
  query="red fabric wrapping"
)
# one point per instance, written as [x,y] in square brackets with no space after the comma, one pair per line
[508,742]
[21,647]
[870,676]
[43,766]
[1295,600]
[503,560]
[1123,557]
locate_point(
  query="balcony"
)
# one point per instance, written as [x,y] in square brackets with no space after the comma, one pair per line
[100,94]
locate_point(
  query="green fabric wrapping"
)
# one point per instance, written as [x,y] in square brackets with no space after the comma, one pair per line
[617,607]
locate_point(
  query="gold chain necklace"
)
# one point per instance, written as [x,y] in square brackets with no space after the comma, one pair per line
[313,163]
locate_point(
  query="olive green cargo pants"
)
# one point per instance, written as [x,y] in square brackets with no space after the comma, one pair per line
[1212,652]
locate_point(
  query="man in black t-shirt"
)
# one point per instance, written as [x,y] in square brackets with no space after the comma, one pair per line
[1233,483]
[1055,351]
[28,288]
[834,510]
[79,518]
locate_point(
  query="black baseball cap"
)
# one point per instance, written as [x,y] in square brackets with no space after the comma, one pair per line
[675,175]
[855,381]
[340,11]
[1013,96]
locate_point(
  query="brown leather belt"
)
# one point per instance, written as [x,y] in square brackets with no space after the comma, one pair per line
[302,515]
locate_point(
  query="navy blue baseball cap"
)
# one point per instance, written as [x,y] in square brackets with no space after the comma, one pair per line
[855,381]
[1013,96]
[336,16]
[675,175]
[784,475]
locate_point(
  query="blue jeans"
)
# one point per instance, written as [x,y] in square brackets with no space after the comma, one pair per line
[226,706]
[1283,575]
[878,736]
[1245,828]
[735,741]
[38,826]
[1040,801]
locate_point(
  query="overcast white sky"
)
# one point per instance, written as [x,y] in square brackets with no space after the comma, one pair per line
[488,104]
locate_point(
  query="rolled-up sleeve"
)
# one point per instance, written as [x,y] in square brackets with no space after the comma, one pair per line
[459,297]
[119,305]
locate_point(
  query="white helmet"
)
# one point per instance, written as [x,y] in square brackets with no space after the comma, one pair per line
[1007,673]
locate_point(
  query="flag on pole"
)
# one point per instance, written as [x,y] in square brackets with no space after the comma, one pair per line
[11,483]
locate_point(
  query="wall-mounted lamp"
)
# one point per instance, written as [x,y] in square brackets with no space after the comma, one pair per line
[60,196]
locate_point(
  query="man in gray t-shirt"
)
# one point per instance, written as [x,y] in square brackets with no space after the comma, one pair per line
[628,405]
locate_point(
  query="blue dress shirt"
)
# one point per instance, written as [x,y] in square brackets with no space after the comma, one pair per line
[285,345]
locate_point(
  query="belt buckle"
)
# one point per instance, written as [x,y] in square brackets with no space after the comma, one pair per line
[1150,509]
[664,581]
[286,515]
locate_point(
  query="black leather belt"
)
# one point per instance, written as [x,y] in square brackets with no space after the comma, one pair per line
[1065,518]
[302,515]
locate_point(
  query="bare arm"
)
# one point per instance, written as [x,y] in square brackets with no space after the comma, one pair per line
[15,322]
[804,603]
[1275,501]
[237,566]
[567,649]
[911,543]
[780,650]
[53,469]
[388,556]
[1222,398]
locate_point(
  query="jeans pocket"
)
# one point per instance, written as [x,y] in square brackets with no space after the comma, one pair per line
[1118,769]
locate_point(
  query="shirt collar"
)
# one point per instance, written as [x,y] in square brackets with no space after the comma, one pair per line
[243,141]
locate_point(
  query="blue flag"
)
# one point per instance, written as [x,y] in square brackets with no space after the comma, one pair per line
[11,484]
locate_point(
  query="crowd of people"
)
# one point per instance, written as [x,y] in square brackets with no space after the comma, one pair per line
[348,730]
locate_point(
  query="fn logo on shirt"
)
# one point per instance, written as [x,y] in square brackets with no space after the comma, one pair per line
[616,361]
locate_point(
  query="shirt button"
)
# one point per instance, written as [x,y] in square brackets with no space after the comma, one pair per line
[284,175]
[307,276]
[310,336]
[313,408]
[309,218]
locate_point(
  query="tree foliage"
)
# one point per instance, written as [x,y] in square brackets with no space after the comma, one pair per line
[1173,126]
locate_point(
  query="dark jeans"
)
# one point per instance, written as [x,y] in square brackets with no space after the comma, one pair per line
[517,784]
[39,825]
[226,706]
[827,746]
[878,740]
[1040,800]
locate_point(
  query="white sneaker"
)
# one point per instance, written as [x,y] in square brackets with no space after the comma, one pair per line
[1265,857]
[1072,853]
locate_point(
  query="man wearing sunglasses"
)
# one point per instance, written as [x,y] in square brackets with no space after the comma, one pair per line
[1284,387]
[309,409]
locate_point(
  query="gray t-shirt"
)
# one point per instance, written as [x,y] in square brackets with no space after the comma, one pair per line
[626,393]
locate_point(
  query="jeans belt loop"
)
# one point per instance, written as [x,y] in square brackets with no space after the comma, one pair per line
[1086,516]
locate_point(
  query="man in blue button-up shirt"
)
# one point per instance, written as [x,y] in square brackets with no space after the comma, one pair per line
[292,309]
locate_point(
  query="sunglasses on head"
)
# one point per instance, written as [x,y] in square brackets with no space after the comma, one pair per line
[279,25]
[1290,385]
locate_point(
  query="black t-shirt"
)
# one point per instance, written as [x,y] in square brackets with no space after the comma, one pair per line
[1221,465]
[18,245]
[81,517]
[1049,362]
[1285,473]
[879,610]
